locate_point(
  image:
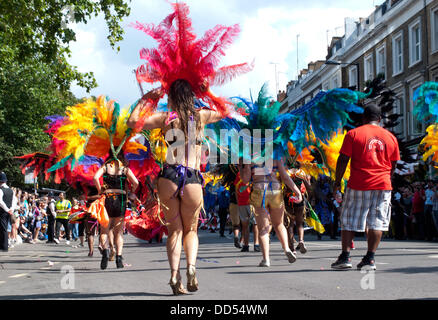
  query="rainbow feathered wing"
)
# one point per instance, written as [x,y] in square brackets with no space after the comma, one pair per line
[321,119]
[426,110]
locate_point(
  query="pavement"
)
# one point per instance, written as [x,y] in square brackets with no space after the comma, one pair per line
[405,270]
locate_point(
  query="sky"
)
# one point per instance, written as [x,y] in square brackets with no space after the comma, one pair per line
[268,37]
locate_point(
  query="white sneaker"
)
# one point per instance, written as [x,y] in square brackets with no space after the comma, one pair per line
[67,242]
[291,256]
[264,263]
[56,241]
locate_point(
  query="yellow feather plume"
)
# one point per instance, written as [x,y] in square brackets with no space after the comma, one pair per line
[431,143]
[331,150]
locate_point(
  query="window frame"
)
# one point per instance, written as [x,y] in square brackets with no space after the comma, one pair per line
[378,71]
[396,55]
[412,48]
[433,26]
[352,70]
[368,57]
[412,87]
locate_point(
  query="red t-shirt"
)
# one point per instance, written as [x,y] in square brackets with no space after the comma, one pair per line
[371,150]
[418,202]
[242,197]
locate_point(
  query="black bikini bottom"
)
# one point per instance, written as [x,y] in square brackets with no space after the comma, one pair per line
[115,205]
[181,175]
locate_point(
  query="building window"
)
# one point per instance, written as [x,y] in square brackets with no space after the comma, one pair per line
[369,68]
[381,61]
[434,28]
[352,76]
[335,83]
[325,86]
[399,108]
[397,53]
[415,43]
[416,127]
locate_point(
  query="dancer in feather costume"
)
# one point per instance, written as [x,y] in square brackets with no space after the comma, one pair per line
[269,133]
[185,67]
[426,110]
[87,144]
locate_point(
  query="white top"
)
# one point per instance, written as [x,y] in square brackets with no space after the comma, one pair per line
[3,204]
[429,197]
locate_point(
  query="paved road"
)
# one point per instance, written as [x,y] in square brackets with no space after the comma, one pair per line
[406,270]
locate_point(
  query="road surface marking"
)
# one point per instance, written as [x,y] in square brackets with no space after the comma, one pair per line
[434,256]
[19,275]
[321,245]
[419,250]
[1,282]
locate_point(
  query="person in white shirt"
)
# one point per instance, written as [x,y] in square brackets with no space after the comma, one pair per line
[51,216]
[8,203]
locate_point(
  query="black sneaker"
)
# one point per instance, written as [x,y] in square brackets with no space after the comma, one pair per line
[119,262]
[301,247]
[245,249]
[105,258]
[237,243]
[367,263]
[257,248]
[342,263]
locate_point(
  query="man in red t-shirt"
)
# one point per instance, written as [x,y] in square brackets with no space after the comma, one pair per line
[243,192]
[374,153]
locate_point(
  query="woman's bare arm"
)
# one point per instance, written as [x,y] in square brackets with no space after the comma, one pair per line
[154,94]
[96,179]
[131,177]
[288,181]
[209,116]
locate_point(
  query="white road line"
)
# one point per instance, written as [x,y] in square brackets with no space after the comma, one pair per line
[434,256]
[1,282]
[418,250]
[322,245]
[19,275]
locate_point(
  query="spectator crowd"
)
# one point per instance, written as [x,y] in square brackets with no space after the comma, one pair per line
[414,214]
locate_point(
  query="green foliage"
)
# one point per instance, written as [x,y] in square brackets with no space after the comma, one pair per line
[28,94]
[40,28]
[35,77]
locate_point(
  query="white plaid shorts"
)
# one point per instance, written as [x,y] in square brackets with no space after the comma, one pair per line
[371,209]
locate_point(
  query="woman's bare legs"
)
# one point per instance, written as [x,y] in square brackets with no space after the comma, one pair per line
[171,210]
[90,243]
[35,234]
[191,205]
[264,226]
[277,216]
[117,225]
[255,229]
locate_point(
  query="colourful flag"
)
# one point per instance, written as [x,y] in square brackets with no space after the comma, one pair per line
[313,221]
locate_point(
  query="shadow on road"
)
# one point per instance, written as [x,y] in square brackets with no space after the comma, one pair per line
[81,296]
[413,270]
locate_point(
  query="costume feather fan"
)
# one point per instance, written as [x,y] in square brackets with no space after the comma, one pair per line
[426,110]
[426,102]
[324,115]
[180,55]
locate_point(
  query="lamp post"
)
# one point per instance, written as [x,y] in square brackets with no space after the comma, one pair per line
[276,76]
[339,63]
[139,84]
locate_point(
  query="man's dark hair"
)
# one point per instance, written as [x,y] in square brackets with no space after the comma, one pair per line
[372,113]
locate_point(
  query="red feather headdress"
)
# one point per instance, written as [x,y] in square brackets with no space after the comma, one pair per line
[181,56]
